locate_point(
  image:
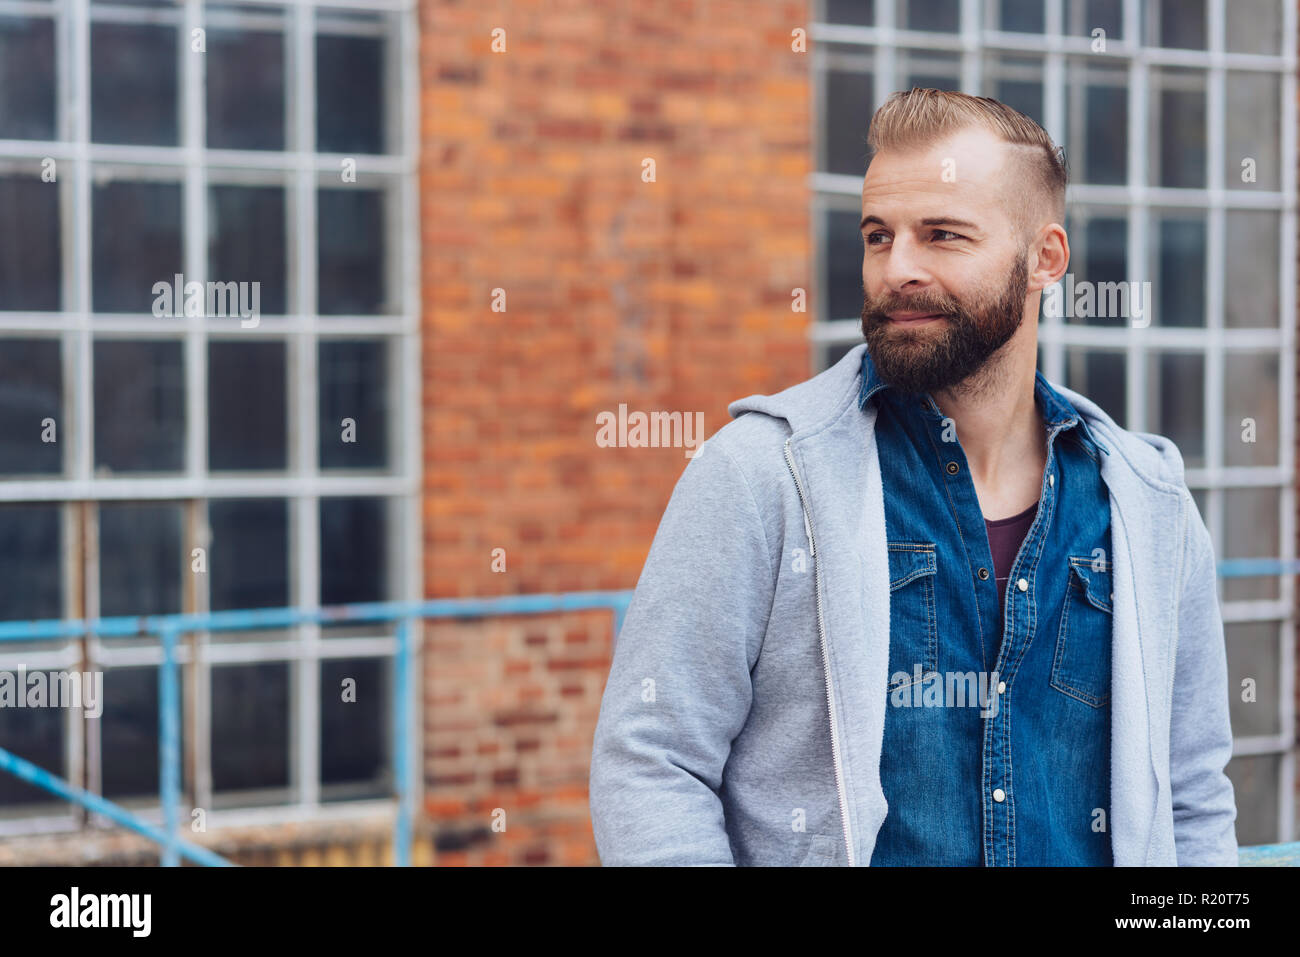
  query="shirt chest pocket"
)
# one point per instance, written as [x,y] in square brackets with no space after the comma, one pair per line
[913,629]
[1081,667]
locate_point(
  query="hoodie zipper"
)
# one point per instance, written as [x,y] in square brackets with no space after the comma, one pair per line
[826,660]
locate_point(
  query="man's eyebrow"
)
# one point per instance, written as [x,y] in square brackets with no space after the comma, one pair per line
[928,221]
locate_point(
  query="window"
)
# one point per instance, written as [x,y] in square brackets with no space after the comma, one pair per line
[241,443]
[1174,137]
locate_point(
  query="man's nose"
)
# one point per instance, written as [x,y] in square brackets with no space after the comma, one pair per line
[903,268]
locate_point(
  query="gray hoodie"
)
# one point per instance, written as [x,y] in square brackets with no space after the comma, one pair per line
[743,715]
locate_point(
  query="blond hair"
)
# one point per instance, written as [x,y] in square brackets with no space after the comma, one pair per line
[919,118]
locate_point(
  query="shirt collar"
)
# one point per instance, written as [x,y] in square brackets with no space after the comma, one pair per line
[1055,408]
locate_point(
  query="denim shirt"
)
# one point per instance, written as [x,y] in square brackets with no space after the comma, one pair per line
[996,747]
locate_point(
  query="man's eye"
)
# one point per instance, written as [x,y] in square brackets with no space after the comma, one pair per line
[878,234]
[944,235]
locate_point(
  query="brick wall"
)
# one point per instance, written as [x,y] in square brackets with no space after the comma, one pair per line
[672,295]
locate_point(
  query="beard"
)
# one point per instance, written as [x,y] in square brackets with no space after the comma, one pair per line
[943,354]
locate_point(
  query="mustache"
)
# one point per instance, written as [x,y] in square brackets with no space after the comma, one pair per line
[878,310]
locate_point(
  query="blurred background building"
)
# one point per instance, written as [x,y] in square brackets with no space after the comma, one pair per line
[477,225]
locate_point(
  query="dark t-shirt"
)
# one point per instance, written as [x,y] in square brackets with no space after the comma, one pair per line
[1005,536]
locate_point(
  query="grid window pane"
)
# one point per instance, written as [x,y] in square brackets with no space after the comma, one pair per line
[31,391]
[350,94]
[1178,24]
[250,726]
[354,738]
[1096,121]
[1250,408]
[1254,26]
[1180,267]
[1251,520]
[1175,402]
[352,252]
[30,235]
[1098,254]
[1255,653]
[245,90]
[140,559]
[1177,131]
[1099,375]
[858,13]
[247,416]
[929,70]
[939,16]
[36,734]
[1253,261]
[1082,17]
[1017,81]
[133,96]
[1254,784]
[247,242]
[249,553]
[137,243]
[31,562]
[353,566]
[1252,145]
[26,78]
[139,406]
[1018,16]
[129,732]
[842,245]
[849,103]
[353,386]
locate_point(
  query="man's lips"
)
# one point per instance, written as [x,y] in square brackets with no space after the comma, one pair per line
[911,318]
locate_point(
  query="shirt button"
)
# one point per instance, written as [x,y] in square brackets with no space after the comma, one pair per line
[984,574]
[952,468]
[999,795]
[1022,585]
[1051,480]
[1002,687]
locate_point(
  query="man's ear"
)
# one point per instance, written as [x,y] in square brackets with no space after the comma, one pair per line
[1050,253]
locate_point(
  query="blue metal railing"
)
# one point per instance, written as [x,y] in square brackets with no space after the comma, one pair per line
[169,627]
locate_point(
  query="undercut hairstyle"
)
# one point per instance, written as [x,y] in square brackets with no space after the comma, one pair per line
[1034,183]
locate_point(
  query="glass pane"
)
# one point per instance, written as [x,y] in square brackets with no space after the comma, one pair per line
[354,735]
[140,558]
[249,553]
[353,387]
[26,78]
[1099,375]
[1252,146]
[31,562]
[1255,652]
[1175,402]
[246,242]
[1252,256]
[1017,81]
[35,734]
[353,565]
[31,391]
[351,252]
[247,414]
[250,726]
[1098,254]
[133,84]
[1096,122]
[245,90]
[350,94]
[1176,132]
[927,70]
[1251,518]
[1178,24]
[1018,16]
[1250,412]
[943,16]
[30,268]
[1254,26]
[847,116]
[139,406]
[855,12]
[1082,17]
[129,732]
[842,282]
[1255,780]
[832,354]
[137,243]
[1179,268]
